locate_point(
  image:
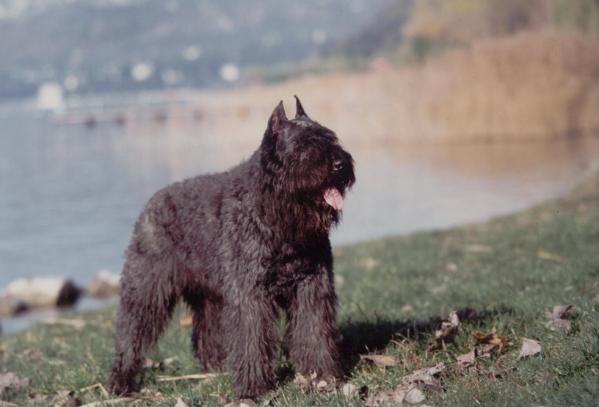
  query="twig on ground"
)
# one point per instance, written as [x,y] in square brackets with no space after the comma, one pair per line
[96,386]
[109,402]
[200,376]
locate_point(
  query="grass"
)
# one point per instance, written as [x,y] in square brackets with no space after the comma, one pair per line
[512,269]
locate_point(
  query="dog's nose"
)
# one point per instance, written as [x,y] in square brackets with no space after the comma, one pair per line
[337,165]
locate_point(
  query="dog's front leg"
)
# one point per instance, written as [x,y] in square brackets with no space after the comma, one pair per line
[312,330]
[252,339]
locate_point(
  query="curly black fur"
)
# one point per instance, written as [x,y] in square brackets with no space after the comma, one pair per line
[236,247]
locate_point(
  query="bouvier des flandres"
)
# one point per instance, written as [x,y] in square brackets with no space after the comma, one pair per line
[237,247]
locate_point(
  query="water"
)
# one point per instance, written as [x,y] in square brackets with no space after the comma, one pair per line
[69,194]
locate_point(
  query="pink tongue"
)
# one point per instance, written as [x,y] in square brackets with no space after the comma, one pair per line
[333,198]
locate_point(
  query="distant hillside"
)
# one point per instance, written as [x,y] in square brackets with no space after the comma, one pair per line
[108,45]
[413,30]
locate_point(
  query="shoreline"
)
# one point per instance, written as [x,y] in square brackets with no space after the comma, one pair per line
[13,325]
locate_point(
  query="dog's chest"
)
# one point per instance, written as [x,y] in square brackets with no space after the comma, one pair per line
[286,272]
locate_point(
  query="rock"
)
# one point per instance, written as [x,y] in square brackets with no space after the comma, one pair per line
[105,284]
[28,293]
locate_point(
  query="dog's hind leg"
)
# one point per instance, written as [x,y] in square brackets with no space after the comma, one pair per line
[149,294]
[207,337]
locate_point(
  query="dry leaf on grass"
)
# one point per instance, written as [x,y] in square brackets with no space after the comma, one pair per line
[31,354]
[73,323]
[386,398]
[10,382]
[545,255]
[241,403]
[103,403]
[491,338]
[98,386]
[447,333]
[530,347]
[425,376]
[467,359]
[313,383]
[478,248]
[7,404]
[407,390]
[303,382]
[555,318]
[349,390]
[181,403]
[381,360]
[65,398]
[414,395]
[167,363]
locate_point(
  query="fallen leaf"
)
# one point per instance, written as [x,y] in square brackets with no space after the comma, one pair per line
[559,325]
[467,359]
[10,382]
[187,320]
[491,338]
[73,323]
[181,403]
[555,321]
[425,376]
[414,395]
[31,354]
[386,398]
[407,390]
[370,263]
[381,360]
[322,385]
[559,311]
[485,350]
[241,403]
[530,347]
[303,382]
[447,333]
[103,403]
[7,404]
[478,248]
[98,386]
[542,254]
[72,402]
[150,363]
[349,390]
[451,267]
[64,398]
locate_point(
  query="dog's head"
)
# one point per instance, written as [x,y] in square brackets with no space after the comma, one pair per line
[307,160]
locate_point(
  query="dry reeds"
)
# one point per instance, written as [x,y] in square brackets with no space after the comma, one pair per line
[534,85]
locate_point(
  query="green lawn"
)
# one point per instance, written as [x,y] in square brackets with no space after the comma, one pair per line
[512,270]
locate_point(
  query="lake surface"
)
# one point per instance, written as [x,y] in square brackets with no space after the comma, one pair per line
[69,194]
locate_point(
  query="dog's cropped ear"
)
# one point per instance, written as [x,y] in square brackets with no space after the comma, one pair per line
[277,120]
[299,109]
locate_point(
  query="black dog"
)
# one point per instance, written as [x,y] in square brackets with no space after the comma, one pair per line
[236,247]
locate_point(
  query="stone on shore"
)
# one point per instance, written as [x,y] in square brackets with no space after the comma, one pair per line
[38,292]
[105,284]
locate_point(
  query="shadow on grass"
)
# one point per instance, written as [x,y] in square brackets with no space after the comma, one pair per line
[361,337]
